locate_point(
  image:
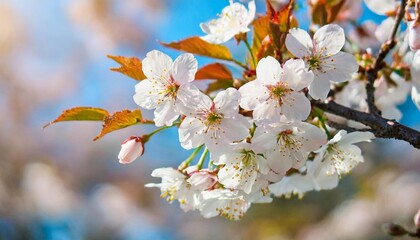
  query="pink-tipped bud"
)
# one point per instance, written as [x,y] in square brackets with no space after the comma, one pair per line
[414,35]
[202,179]
[131,149]
[417,219]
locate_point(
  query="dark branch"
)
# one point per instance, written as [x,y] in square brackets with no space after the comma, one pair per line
[381,127]
[372,73]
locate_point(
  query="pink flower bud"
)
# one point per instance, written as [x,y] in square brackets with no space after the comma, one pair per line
[417,219]
[131,149]
[414,35]
[202,179]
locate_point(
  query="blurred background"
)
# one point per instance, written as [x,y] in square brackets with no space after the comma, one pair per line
[57,184]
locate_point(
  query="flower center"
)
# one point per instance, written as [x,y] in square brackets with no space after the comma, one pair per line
[314,63]
[279,91]
[213,118]
[171,88]
[248,157]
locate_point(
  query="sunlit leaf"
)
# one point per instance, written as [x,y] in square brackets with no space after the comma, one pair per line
[81,114]
[130,67]
[213,71]
[261,30]
[280,22]
[119,120]
[198,46]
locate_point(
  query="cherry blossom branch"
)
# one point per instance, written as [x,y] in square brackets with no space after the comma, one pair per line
[372,73]
[381,127]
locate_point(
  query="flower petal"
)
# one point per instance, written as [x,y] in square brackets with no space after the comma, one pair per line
[184,68]
[296,74]
[236,128]
[269,71]
[191,133]
[252,94]
[147,94]
[296,107]
[299,43]
[355,137]
[319,88]
[156,66]
[227,102]
[329,39]
[381,7]
[166,113]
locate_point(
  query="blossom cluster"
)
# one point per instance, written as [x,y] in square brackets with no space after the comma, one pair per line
[263,138]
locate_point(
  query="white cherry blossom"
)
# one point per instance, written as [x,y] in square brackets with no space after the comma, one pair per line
[167,86]
[175,187]
[288,145]
[241,167]
[275,92]
[234,19]
[213,122]
[340,154]
[323,56]
[230,204]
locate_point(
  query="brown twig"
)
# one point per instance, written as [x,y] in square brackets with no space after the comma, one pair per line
[381,127]
[372,73]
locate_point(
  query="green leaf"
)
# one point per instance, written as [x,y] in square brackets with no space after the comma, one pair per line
[213,71]
[198,46]
[120,120]
[81,114]
[130,66]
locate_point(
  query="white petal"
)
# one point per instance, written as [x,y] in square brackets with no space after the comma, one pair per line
[322,181]
[197,103]
[236,128]
[147,95]
[267,112]
[313,136]
[381,7]
[278,163]
[184,68]
[350,156]
[156,66]
[355,137]
[185,94]
[191,133]
[329,39]
[166,113]
[296,74]
[299,43]
[319,88]
[252,94]
[269,71]
[251,12]
[415,94]
[296,107]
[227,102]
[339,68]
[384,30]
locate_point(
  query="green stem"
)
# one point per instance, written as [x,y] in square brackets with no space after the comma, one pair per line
[251,53]
[240,64]
[147,136]
[187,161]
[326,129]
[202,158]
